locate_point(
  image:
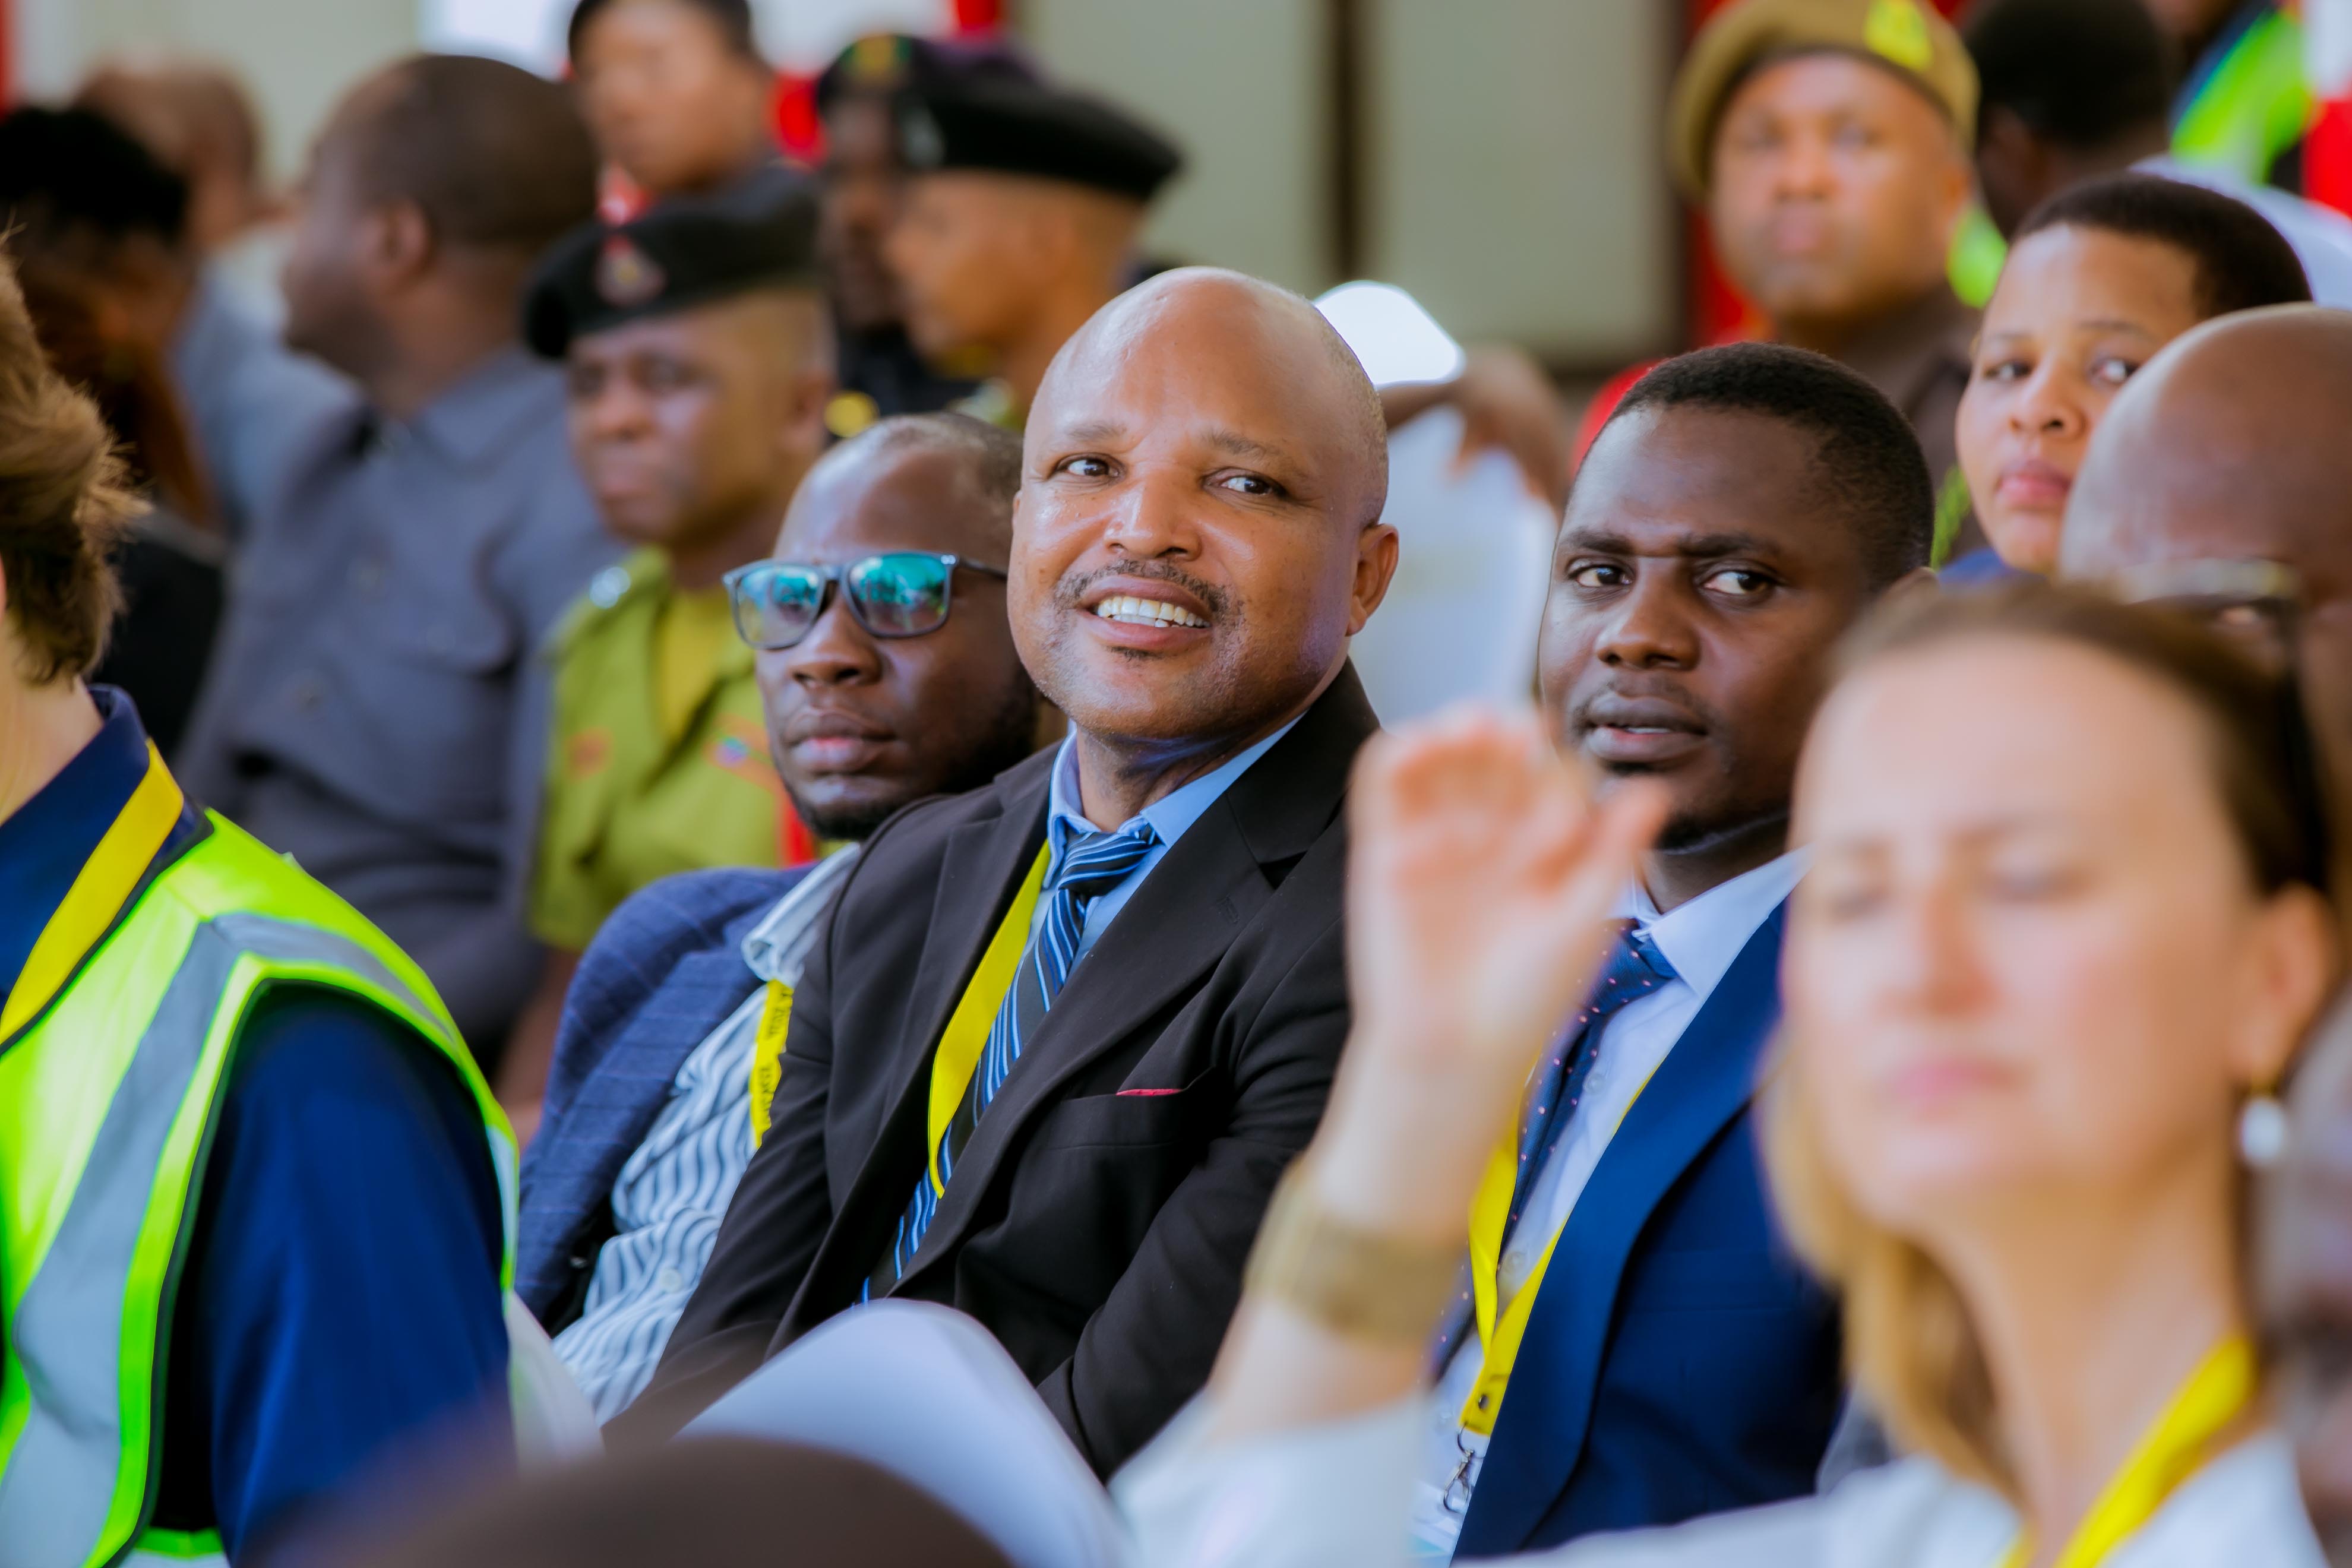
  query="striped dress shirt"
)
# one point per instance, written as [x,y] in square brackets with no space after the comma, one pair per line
[674,1187]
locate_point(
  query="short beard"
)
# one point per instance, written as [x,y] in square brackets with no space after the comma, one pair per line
[1693,835]
[1011,735]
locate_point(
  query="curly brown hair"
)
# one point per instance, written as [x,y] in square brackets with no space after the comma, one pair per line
[63,506]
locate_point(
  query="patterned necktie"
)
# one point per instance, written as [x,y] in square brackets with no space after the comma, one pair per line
[1634,969]
[1091,865]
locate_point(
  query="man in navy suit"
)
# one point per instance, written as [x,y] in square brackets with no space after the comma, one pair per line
[653,1101]
[1635,1346]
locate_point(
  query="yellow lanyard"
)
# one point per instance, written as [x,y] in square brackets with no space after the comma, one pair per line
[105,883]
[768,1056]
[967,1032]
[2173,1449]
[1489,1213]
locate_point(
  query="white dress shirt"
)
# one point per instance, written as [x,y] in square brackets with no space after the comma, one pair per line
[1699,940]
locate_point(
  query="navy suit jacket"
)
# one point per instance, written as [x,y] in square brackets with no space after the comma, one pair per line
[1677,1361]
[665,970]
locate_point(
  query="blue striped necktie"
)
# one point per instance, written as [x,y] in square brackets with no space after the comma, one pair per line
[1090,865]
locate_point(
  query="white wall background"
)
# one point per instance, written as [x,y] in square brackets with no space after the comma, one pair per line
[1513,177]
[1240,83]
[298,55]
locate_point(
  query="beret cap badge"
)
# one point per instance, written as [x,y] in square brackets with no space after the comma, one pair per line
[1895,30]
[625,276]
[919,141]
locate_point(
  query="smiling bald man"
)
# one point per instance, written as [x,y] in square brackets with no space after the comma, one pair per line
[1063,1033]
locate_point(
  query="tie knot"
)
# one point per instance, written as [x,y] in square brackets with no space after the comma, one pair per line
[1094,863]
[1634,969]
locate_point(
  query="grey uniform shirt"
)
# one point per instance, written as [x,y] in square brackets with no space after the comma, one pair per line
[252,402]
[376,707]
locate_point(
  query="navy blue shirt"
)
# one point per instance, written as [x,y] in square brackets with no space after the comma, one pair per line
[340,1301]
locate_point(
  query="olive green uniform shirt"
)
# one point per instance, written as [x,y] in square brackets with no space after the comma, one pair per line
[630,800]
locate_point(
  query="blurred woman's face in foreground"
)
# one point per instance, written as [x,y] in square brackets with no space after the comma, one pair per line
[2077,311]
[2030,961]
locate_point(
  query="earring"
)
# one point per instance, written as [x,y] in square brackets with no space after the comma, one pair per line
[2262,1130]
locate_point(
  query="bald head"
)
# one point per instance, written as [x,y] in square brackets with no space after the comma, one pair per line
[1277,336]
[2229,445]
[1197,534]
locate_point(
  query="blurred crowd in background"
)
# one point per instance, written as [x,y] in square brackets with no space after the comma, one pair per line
[572,525]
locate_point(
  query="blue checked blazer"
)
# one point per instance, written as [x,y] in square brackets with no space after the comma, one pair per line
[665,970]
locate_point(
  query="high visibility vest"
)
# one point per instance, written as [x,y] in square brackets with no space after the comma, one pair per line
[107,1102]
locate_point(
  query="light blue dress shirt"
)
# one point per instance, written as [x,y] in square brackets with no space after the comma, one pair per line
[1170,816]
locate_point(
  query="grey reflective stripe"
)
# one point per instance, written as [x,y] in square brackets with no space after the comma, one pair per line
[293,943]
[67,1335]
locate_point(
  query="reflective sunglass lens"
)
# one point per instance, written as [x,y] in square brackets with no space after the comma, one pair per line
[775,606]
[900,596]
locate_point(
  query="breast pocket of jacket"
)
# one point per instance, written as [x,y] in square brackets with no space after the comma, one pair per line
[1102,1164]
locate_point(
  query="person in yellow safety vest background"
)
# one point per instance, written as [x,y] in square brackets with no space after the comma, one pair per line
[253,1193]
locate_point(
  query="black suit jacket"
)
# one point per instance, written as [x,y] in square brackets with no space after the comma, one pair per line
[1099,1219]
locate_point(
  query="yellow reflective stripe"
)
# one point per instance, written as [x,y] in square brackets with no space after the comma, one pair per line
[2171,1451]
[967,1032]
[105,884]
[768,1056]
[1488,1210]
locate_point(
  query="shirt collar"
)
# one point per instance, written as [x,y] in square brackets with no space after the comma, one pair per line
[1169,816]
[777,946]
[481,416]
[45,842]
[1703,936]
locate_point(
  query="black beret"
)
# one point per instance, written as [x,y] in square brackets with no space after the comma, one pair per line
[760,232]
[883,64]
[1012,126]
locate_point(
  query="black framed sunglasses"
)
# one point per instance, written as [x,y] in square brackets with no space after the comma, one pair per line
[897,594]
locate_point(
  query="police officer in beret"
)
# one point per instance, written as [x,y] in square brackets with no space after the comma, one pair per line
[1022,206]
[1829,143]
[699,356]
[864,184]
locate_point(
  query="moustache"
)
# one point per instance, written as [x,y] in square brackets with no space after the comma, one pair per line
[1071,592]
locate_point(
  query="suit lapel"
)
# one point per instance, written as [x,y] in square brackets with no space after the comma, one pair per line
[1204,892]
[1705,1081]
[615,1103]
[980,872]
[1175,928]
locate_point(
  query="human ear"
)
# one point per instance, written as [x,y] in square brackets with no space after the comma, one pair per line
[2296,959]
[1376,564]
[397,244]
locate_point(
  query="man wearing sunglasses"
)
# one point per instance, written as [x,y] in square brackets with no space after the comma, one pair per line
[888,672]
[1062,1035]
[698,361]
